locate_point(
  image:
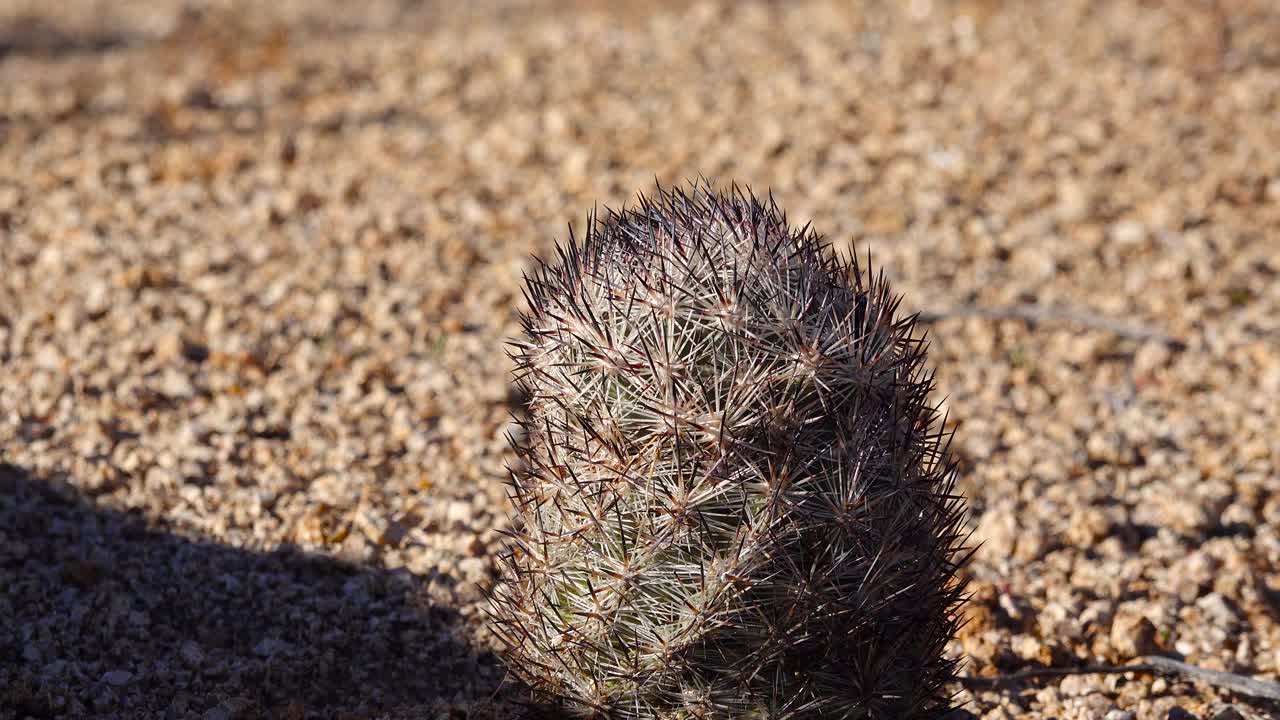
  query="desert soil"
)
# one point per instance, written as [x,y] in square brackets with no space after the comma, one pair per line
[258,262]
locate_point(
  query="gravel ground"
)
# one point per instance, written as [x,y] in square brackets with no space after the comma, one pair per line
[258,260]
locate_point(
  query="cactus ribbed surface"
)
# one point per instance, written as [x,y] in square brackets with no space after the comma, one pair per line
[734,496]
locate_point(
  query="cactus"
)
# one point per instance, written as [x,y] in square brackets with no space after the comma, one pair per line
[733,497]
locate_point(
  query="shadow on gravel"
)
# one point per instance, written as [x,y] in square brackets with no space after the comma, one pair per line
[102,616]
[30,36]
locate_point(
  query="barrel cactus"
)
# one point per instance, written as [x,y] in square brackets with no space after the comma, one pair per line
[734,498]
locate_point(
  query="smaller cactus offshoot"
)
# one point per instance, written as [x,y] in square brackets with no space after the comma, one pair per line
[735,498]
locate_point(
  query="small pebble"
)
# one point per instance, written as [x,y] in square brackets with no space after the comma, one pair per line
[191,654]
[117,677]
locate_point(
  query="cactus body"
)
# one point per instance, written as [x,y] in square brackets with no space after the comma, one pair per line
[735,498]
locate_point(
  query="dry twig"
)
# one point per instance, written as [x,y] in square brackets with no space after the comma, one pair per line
[1048,314]
[1152,665]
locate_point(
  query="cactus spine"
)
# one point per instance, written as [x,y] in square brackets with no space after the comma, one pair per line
[734,498]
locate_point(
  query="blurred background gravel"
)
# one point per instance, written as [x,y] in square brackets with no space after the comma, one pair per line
[258,261]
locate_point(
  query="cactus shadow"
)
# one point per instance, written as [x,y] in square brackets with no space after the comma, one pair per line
[101,615]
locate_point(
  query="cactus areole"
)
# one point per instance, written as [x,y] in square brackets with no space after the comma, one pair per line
[734,498]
